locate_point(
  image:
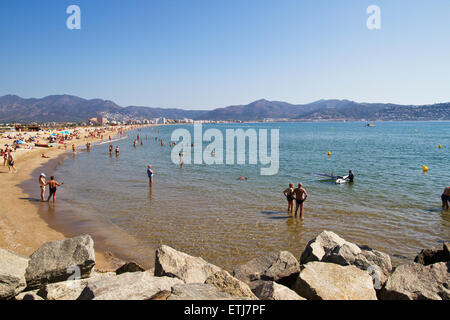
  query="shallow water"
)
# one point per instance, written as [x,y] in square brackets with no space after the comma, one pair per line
[203,210]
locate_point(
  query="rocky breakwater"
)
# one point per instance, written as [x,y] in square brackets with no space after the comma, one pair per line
[330,268]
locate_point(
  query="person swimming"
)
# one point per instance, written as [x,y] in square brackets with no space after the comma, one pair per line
[289,194]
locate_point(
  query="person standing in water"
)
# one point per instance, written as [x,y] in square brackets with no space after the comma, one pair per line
[289,194]
[150,175]
[117,151]
[300,196]
[181,159]
[445,197]
[52,188]
[350,176]
[42,184]
[110,149]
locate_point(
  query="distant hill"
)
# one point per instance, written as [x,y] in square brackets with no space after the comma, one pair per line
[62,108]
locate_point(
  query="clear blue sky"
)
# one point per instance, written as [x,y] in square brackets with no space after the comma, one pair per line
[214,53]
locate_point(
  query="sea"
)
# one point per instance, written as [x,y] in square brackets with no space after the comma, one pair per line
[204,210]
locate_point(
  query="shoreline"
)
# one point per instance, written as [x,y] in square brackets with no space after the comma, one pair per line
[22,228]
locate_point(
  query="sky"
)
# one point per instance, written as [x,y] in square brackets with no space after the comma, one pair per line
[204,54]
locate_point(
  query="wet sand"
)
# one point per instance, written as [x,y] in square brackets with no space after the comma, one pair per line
[22,229]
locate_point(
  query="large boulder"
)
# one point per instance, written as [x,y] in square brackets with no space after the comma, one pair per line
[172,263]
[329,247]
[198,291]
[70,290]
[59,261]
[415,281]
[223,281]
[12,274]
[430,256]
[329,281]
[270,290]
[281,267]
[128,286]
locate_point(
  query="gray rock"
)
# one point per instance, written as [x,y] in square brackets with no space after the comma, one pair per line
[198,291]
[172,263]
[281,267]
[329,247]
[128,286]
[70,290]
[270,290]
[12,274]
[129,267]
[223,281]
[59,261]
[415,281]
[329,281]
[29,295]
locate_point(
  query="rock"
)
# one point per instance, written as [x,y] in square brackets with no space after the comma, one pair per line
[270,290]
[415,281]
[128,286]
[12,274]
[162,295]
[198,291]
[281,267]
[430,256]
[329,281]
[172,263]
[223,281]
[70,290]
[129,267]
[329,247]
[29,295]
[59,261]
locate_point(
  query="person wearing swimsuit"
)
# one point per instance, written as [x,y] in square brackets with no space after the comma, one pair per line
[42,184]
[150,175]
[52,188]
[300,197]
[11,162]
[289,194]
[445,197]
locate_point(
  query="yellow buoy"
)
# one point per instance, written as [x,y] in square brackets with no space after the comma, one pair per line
[415,131]
[329,153]
[439,146]
[425,168]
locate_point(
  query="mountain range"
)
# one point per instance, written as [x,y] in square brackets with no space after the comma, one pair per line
[67,108]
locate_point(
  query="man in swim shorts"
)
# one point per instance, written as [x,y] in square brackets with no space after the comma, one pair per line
[11,162]
[52,188]
[300,196]
[445,197]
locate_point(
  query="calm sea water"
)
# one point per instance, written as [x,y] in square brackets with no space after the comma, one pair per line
[203,210]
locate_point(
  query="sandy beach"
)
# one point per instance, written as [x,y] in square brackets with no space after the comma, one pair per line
[22,229]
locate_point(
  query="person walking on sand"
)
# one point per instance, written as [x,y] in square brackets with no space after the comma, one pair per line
[52,188]
[445,197]
[150,175]
[42,184]
[11,162]
[300,196]
[289,194]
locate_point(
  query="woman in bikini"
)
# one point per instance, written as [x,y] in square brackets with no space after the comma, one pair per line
[289,194]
